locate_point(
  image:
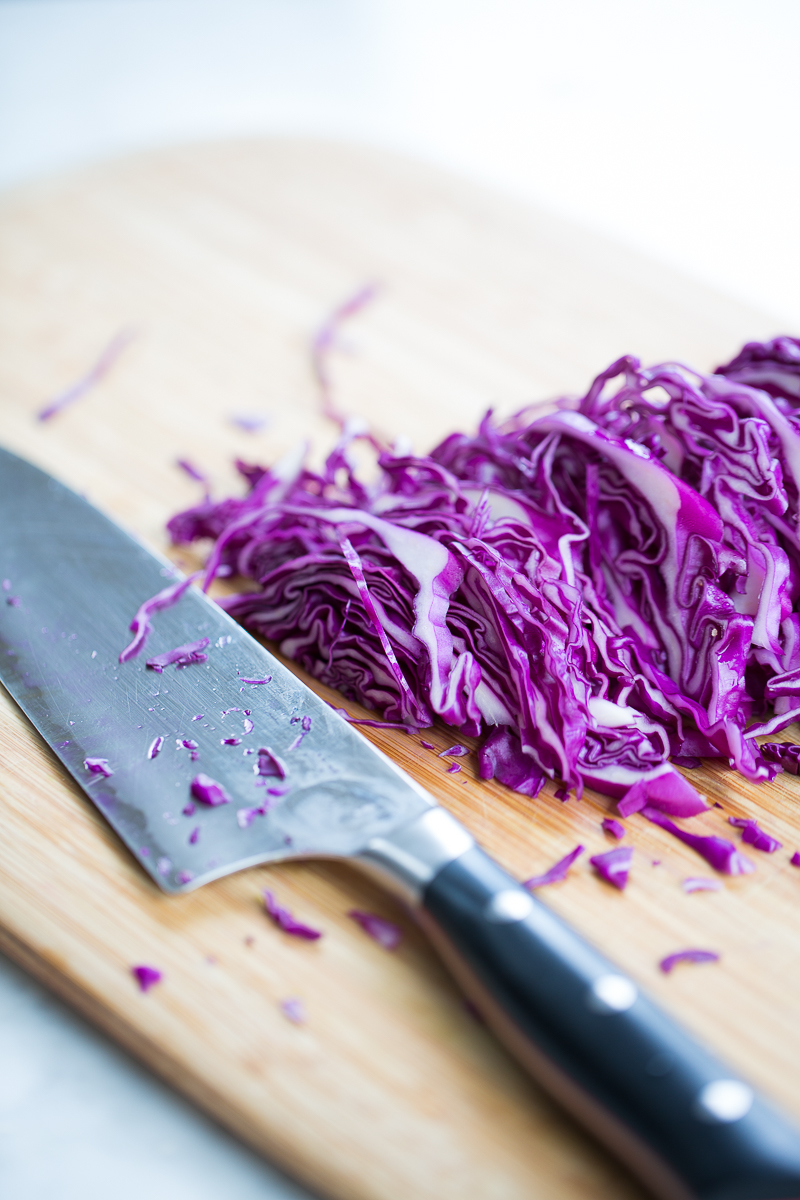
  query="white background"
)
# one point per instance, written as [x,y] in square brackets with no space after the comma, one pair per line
[671,126]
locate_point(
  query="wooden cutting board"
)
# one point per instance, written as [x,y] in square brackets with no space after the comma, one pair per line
[222,259]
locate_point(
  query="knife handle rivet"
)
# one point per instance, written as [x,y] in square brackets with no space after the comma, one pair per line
[611,994]
[507,906]
[723,1101]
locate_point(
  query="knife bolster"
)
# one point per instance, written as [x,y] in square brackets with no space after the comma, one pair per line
[406,860]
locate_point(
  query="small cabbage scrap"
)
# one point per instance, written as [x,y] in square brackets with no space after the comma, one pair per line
[785,754]
[556,873]
[146,977]
[754,836]
[386,933]
[98,766]
[208,791]
[614,865]
[691,956]
[285,921]
[720,854]
[182,656]
[615,828]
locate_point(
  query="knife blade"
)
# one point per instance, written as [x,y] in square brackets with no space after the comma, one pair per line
[300,782]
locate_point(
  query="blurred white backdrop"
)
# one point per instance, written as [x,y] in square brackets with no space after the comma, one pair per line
[671,126]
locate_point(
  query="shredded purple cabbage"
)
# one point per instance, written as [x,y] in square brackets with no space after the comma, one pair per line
[284,919]
[454,752]
[556,873]
[754,836]
[614,827]
[614,865]
[690,956]
[718,853]
[386,933]
[208,791]
[192,471]
[250,423]
[182,656]
[98,766]
[146,977]
[194,836]
[592,592]
[795,859]
[255,682]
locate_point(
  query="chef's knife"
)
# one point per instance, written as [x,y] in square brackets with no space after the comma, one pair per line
[134,740]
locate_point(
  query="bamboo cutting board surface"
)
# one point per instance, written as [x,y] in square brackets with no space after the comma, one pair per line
[221,260]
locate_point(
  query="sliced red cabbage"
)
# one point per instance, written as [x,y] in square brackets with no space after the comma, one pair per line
[386,933]
[754,836]
[188,809]
[98,766]
[146,977]
[556,873]
[615,828]
[593,592]
[691,956]
[454,752]
[453,768]
[284,919]
[718,853]
[93,376]
[795,859]
[194,836]
[246,816]
[182,656]
[230,741]
[427,745]
[256,682]
[614,865]
[696,883]
[185,876]
[208,791]
[248,725]
[141,626]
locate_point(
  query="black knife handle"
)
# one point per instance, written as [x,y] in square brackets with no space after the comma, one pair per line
[680,1119]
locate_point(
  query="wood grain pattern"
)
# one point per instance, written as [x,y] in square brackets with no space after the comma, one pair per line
[224,258]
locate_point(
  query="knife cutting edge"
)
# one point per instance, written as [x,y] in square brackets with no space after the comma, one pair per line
[72,579]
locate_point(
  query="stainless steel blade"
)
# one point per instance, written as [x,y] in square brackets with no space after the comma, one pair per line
[72,581]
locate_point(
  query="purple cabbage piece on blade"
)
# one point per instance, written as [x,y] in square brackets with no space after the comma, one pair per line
[208,791]
[386,933]
[141,626]
[269,765]
[182,656]
[691,956]
[718,853]
[556,873]
[754,836]
[285,921]
[146,977]
[614,865]
[98,766]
